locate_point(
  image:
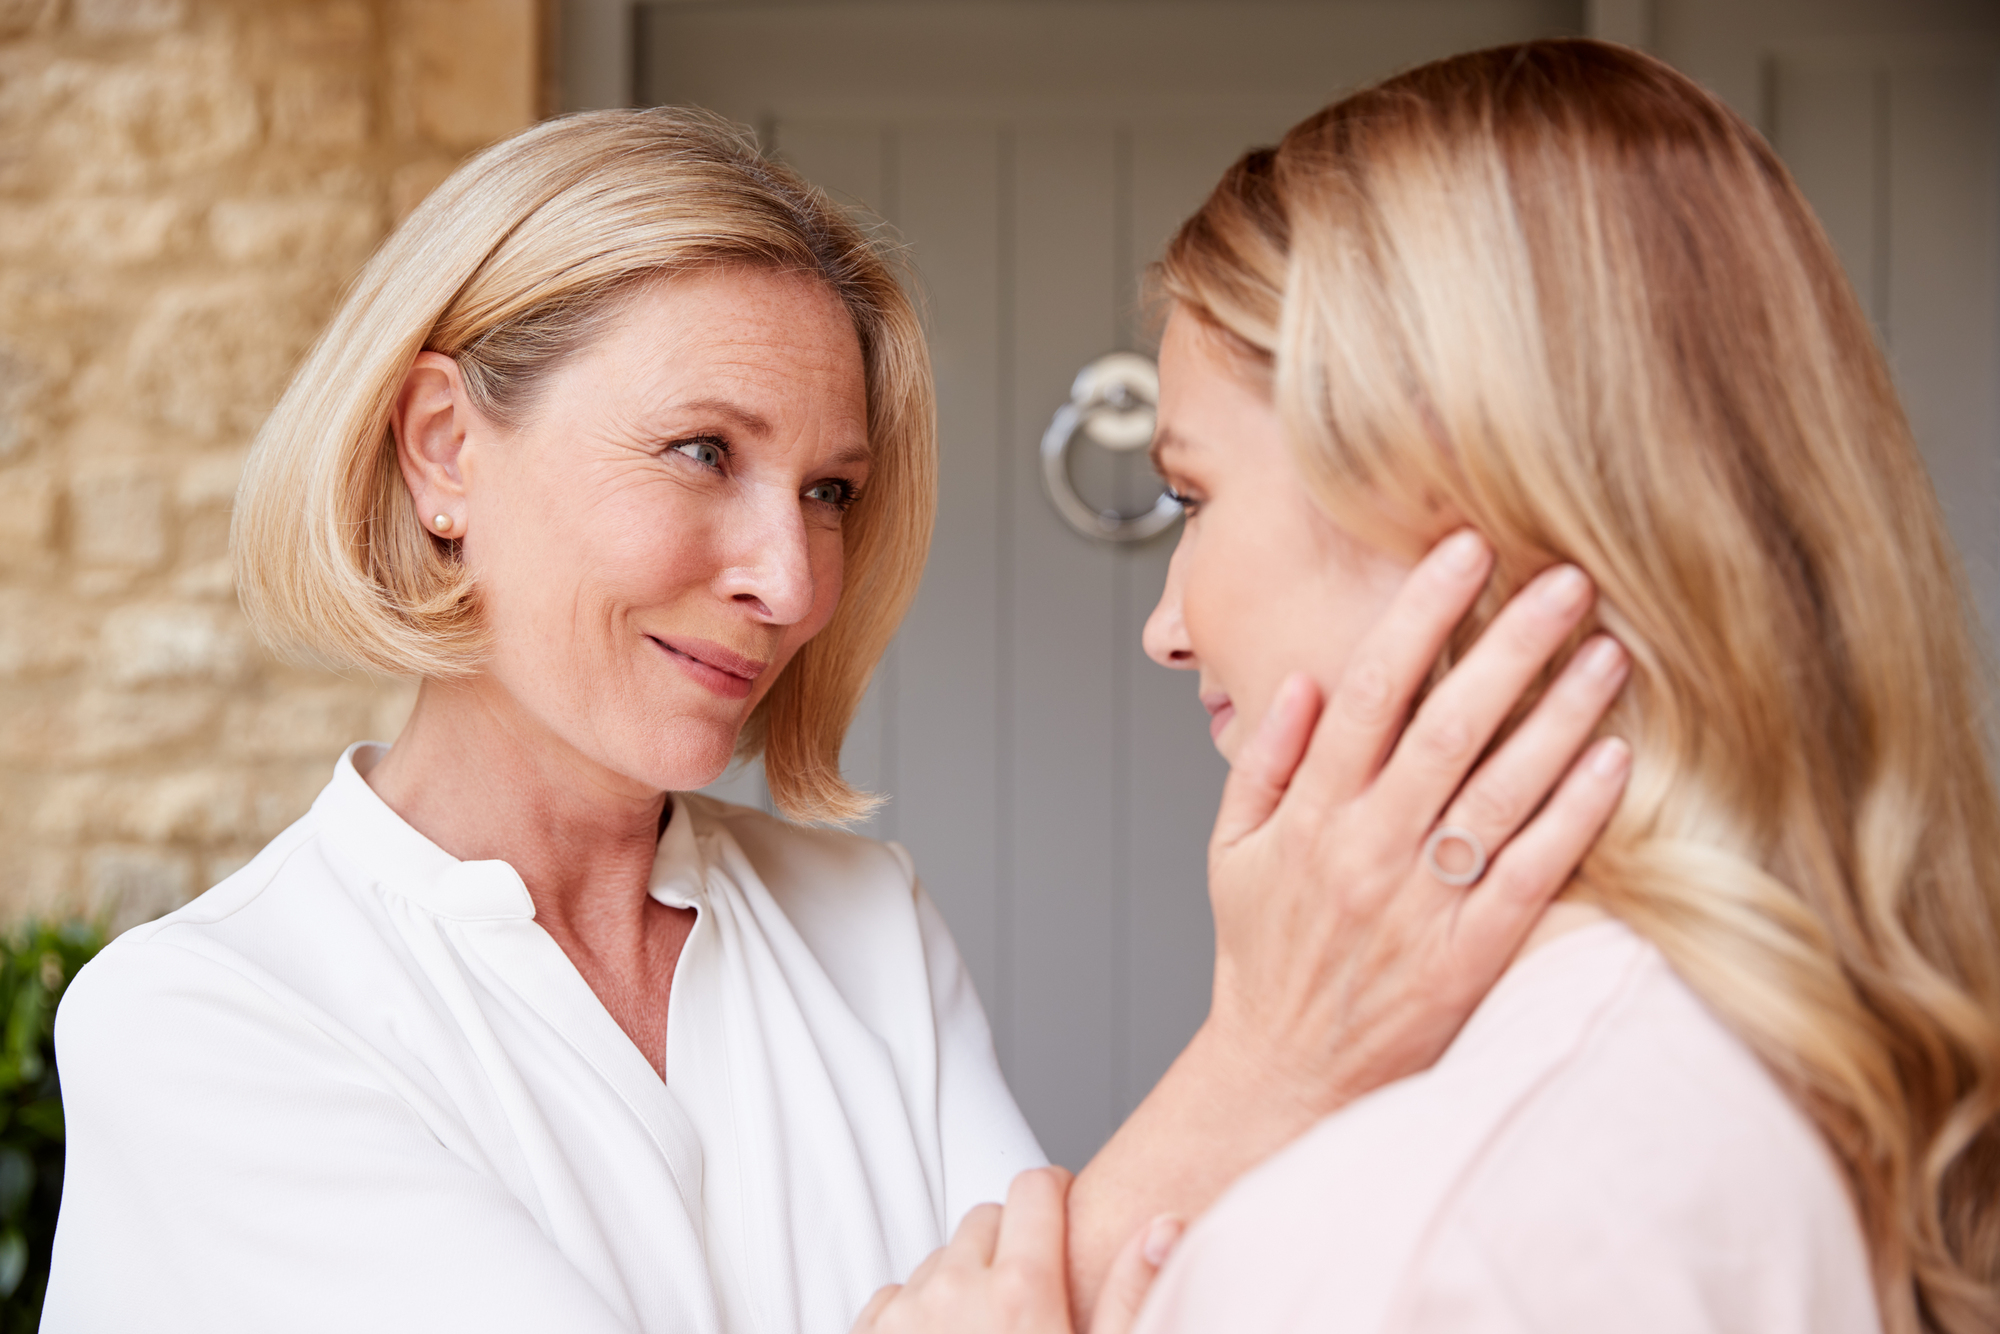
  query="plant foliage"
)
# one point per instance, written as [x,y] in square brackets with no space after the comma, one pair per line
[36,963]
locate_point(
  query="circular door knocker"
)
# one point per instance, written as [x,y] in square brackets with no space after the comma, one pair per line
[1113,405]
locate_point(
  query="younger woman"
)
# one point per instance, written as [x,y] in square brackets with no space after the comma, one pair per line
[1747,1077]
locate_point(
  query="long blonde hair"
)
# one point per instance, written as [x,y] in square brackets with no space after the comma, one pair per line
[510,267]
[1562,293]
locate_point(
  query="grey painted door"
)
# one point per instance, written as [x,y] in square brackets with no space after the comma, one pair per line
[1054,787]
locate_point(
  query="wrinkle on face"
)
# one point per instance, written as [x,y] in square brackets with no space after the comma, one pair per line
[590,538]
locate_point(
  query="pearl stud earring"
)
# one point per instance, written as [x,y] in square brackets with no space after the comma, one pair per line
[443,522]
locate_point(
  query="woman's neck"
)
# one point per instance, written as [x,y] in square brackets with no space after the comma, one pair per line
[482,780]
[476,776]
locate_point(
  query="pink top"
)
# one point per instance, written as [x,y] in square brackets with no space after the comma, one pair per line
[1595,1152]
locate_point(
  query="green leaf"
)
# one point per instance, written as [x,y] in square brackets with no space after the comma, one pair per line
[13,1260]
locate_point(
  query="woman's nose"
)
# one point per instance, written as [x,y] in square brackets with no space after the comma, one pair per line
[770,570]
[1165,635]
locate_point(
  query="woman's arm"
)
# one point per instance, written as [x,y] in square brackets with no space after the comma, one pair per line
[232,1168]
[1342,963]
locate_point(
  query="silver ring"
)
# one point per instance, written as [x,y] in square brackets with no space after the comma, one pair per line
[1451,833]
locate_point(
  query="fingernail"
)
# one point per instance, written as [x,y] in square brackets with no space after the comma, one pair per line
[1603,659]
[1563,588]
[1610,758]
[1162,1235]
[1464,552]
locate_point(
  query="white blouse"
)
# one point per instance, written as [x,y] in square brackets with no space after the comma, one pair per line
[1595,1152]
[355,1087]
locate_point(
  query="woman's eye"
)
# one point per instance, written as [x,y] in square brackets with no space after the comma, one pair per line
[704,450]
[834,491]
[1187,503]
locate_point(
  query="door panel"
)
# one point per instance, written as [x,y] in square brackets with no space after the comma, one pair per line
[1055,787]
[950,804]
[1897,145]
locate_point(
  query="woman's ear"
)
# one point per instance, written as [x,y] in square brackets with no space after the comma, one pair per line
[431,421]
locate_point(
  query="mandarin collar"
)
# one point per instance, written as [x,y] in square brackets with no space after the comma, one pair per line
[680,867]
[407,864]
[404,862]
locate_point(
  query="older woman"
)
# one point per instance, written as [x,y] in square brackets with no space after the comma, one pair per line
[623,443]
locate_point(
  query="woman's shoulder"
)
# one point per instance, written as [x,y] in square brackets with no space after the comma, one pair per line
[1596,1149]
[1659,1168]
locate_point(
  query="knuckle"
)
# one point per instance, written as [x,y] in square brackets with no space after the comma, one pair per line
[1365,696]
[1530,637]
[1488,806]
[1018,1286]
[1444,741]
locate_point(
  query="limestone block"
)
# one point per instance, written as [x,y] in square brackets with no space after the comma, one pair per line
[27,516]
[131,885]
[311,723]
[204,805]
[41,882]
[112,724]
[325,31]
[99,586]
[108,125]
[40,635]
[80,806]
[19,16]
[473,72]
[337,231]
[204,539]
[211,358]
[117,230]
[118,516]
[413,181]
[283,794]
[129,15]
[322,107]
[211,478]
[33,726]
[219,868]
[20,382]
[209,580]
[172,641]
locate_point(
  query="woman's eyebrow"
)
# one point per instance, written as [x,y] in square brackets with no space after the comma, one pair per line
[753,423]
[744,419]
[1164,443]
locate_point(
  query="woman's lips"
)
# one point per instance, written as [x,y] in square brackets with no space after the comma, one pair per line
[724,671]
[1220,711]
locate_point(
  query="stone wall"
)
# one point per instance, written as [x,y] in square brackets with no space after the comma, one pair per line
[185,185]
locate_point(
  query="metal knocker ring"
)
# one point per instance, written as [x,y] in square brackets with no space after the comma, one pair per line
[1113,404]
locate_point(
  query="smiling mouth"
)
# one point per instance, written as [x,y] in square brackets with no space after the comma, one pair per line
[1220,710]
[720,670]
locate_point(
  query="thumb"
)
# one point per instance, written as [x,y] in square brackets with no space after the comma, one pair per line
[1264,767]
[1131,1275]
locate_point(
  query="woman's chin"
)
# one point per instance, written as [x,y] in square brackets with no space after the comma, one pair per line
[694,758]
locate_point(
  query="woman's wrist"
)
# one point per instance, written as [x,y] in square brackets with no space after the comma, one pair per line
[1266,1071]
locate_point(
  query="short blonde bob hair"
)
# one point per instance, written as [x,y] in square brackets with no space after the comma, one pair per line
[1560,293]
[511,267]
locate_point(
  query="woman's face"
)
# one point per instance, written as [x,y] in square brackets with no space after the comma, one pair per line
[662,535]
[1262,583]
